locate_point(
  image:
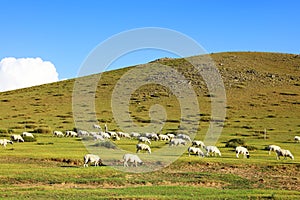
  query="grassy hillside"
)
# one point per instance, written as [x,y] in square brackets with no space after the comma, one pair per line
[262,90]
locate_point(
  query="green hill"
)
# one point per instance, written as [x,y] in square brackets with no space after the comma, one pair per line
[262,91]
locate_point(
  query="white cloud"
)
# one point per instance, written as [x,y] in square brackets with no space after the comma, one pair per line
[18,73]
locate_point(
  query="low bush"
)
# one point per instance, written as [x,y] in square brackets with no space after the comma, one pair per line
[235,142]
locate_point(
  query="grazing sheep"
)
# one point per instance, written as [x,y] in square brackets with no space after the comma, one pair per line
[144,147]
[4,142]
[131,158]
[58,133]
[184,137]
[104,135]
[297,139]
[177,141]
[198,143]
[125,135]
[17,138]
[163,137]
[82,133]
[96,126]
[71,134]
[152,136]
[213,150]
[112,133]
[171,135]
[26,134]
[242,150]
[92,159]
[195,150]
[273,148]
[284,153]
[144,139]
[98,137]
[135,135]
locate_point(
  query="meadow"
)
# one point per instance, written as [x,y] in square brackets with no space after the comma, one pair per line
[262,91]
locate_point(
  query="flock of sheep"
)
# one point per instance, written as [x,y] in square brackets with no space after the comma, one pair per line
[144,140]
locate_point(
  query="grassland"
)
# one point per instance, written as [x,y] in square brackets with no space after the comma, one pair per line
[262,92]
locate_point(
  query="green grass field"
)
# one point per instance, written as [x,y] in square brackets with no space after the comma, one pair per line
[262,92]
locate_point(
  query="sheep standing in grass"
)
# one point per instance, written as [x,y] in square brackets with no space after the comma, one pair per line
[124,135]
[26,134]
[273,148]
[213,150]
[171,135]
[135,135]
[297,139]
[163,137]
[177,142]
[82,133]
[96,126]
[131,158]
[104,135]
[195,150]
[144,139]
[4,142]
[17,138]
[184,137]
[242,150]
[284,153]
[58,134]
[198,143]
[92,159]
[71,134]
[143,147]
[152,136]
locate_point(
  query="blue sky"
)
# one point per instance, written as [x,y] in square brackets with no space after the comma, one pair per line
[64,32]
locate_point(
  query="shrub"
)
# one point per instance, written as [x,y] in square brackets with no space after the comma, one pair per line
[42,130]
[106,144]
[29,139]
[235,142]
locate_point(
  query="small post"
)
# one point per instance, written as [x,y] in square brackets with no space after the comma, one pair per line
[265,134]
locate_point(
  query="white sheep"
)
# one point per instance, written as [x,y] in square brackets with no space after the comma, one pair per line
[104,135]
[82,133]
[71,134]
[96,126]
[242,150]
[144,139]
[98,137]
[26,134]
[213,150]
[131,158]
[135,135]
[152,136]
[125,135]
[163,137]
[273,148]
[198,143]
[58,134]
[17,138]
[143,147]
[297,139]
[4,142]
[184,137]
[112,133]
[195,150]
[92,159]
[177,141]
[284,153]
[171,135]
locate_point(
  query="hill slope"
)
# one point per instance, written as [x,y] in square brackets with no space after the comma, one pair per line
[261,88]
